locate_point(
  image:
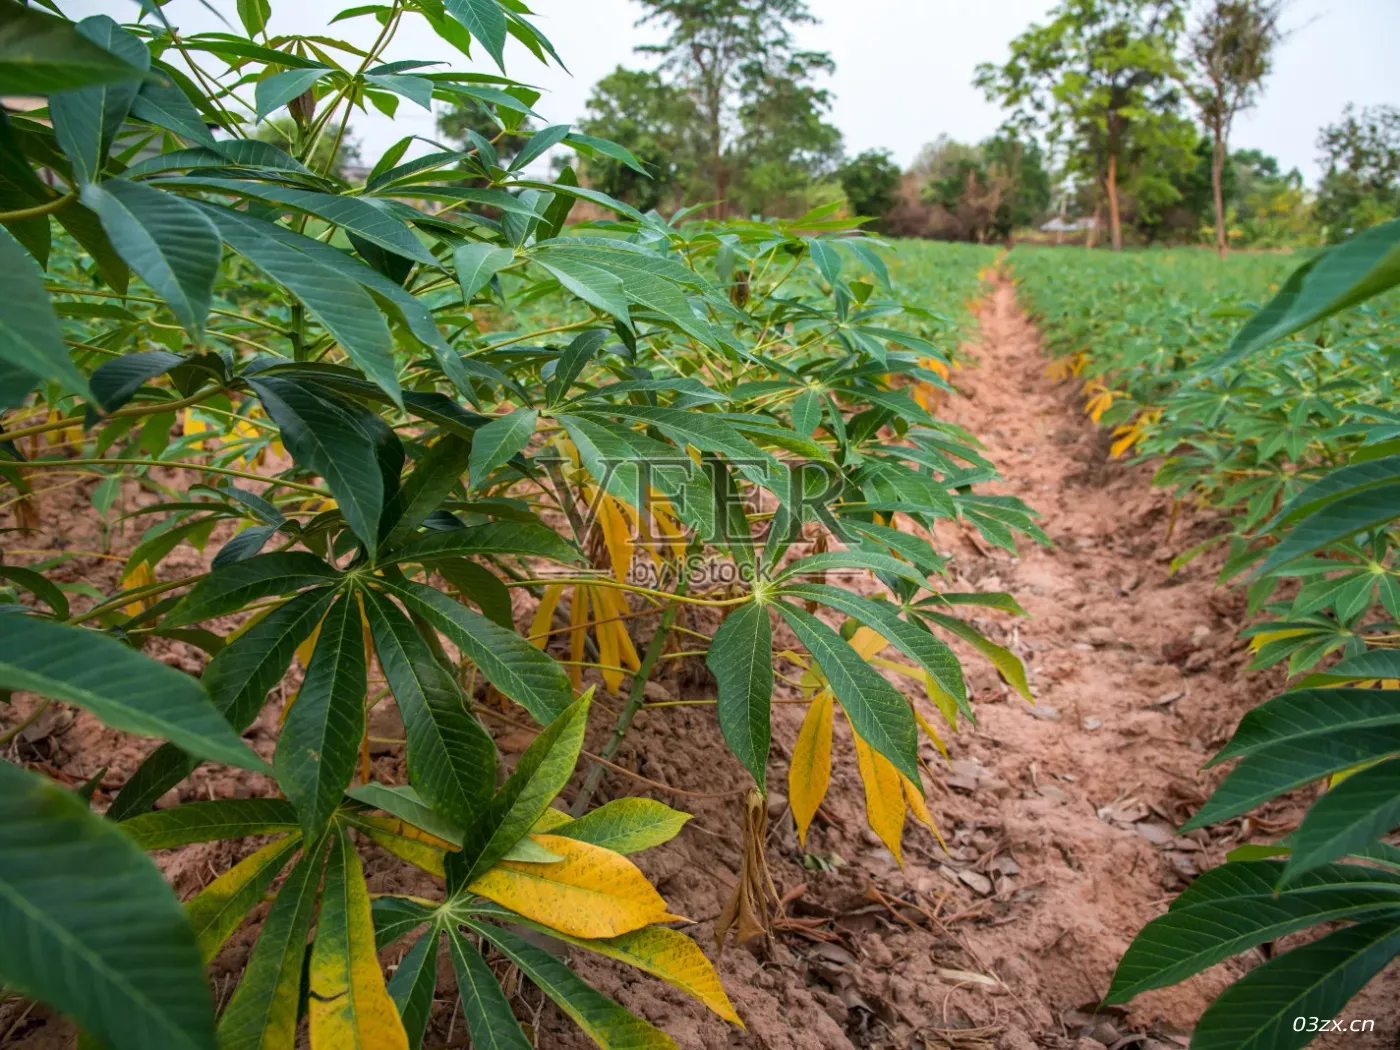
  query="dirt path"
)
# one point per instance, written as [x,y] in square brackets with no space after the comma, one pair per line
[1059,818]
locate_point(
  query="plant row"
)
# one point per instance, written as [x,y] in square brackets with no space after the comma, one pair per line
[1286,427]
[419,435]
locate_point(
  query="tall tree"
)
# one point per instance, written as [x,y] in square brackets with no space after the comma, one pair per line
[728,54]
[1230,52]
[1360,185]
[1102,74]
[657,121]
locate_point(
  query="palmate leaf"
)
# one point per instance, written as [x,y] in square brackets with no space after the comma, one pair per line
[741,659]
[1359,268]
[1347,819]
[1231,908]
[603,1020]
[432,481]
[625,825]
[40,55]
[491,1022]
[86,121]
[349,1005]
[216,911]
[451,758]
[167,240]
[124,689]
[1362,508]
[541,774]
[234,587]
[262,1015]
[88,924]
[508,661]
[321,734]
[30,338]
[913,640]
[1258,1011]
[876,709]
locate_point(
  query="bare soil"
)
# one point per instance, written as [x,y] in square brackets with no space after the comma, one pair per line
[1058,819]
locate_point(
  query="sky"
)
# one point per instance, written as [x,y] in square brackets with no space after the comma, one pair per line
[903,67]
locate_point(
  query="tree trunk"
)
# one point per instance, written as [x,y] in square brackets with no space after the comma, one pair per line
[1217,178]
[1093,238]
[1115,221]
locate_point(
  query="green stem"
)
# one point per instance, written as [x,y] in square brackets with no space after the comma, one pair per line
[174,465]
[47,208]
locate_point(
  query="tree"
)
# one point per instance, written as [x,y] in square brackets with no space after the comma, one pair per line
[657,122]
[728,54]
[284,132]
[985,190]
[784,145]
[1102,72]
[1361,182]
[1230,53]
[871,183]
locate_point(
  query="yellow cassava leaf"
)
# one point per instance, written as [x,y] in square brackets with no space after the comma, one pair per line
[551,818]
[809,772]
[914,795]
[884,796]
[139,575]
[943,700]
[867,642]
[544,615]
[929,731]
[593,892]
[306,648]
[216,911]
[195,425]
[404,841]
[349,1007]
[607,640]
[617,535]
[671,956]
[1263,639]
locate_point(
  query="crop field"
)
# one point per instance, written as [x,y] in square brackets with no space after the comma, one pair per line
[444,605]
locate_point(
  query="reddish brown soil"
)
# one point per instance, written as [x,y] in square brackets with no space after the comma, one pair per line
[1058,819]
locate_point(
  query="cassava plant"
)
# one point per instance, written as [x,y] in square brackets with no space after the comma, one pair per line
[396,415]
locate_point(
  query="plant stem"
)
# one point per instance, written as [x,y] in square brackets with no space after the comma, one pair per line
[29,720]
[146,410]
[47,208]
[636,697]
[174,465]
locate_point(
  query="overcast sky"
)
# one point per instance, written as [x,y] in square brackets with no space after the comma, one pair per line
[903,67]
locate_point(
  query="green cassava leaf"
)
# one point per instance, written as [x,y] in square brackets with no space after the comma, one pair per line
[451,758]
[126,690]
[320,739]
[167,240]
[876,709]
[89,925]
[741,659]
